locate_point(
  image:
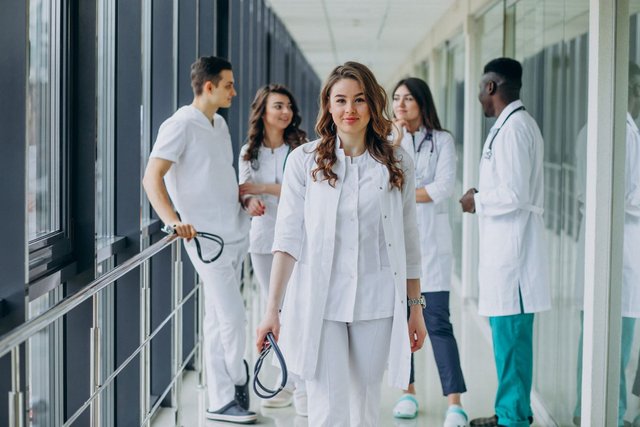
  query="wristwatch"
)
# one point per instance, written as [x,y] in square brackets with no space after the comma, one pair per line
[417,301]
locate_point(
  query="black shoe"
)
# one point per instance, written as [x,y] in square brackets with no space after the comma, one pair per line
[232,412]
[242,391]
[485,422]
[489,422]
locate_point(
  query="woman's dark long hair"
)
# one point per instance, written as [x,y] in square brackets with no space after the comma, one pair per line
[420,91]
[293,135]
[378,128]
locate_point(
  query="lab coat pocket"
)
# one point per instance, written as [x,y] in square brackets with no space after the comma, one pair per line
[498,242]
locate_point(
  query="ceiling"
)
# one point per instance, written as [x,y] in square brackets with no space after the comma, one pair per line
[378,33]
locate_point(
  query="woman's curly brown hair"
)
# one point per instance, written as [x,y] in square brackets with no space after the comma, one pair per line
[293,135]
[378,128]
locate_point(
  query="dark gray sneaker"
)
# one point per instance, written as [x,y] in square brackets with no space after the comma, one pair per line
[242,391]
[232,412]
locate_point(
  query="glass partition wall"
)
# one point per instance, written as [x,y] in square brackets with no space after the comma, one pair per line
[549,38]
[629,401]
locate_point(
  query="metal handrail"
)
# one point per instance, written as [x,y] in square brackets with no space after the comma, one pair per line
[23,332]
[132,356]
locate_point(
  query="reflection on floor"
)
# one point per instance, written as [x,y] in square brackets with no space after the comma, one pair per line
[473,337]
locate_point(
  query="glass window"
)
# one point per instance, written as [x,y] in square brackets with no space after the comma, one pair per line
[489,44]
[43,148]
[453,121]
[629,402]
[550,40]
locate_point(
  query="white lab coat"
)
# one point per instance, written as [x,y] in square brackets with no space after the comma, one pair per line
[436,173]
[270,172]
[509,206]
[305,228]
[630,265]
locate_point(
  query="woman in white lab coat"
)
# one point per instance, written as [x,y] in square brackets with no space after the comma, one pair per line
[346,235]
[274,131]
[433,151]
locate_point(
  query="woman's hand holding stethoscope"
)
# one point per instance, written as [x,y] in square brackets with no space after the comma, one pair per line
[417,328]
[268,333]
[271,323]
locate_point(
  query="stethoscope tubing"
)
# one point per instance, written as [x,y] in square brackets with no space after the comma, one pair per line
[209,236]
[260,390]
[427,137]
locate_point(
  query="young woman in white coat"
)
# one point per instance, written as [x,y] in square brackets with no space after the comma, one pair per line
[433,151]
[274,131]
[346,236]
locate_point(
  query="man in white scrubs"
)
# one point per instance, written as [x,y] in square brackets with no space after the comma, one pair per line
[191,167]
[513,267]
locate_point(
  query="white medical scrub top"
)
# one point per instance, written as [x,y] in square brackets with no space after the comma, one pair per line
[270,171]
[361,281]
[202,182]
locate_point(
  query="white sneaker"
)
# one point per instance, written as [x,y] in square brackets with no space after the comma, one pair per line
[456,417]
[406,407]
[300,402]
[280,400]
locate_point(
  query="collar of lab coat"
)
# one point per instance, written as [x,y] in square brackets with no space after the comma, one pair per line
[340,152]
[418,134]
[505,113]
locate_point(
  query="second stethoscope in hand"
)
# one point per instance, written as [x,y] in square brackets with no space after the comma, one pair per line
[259,389]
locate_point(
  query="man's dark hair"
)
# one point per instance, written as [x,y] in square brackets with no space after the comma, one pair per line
[207,69]
[509,69]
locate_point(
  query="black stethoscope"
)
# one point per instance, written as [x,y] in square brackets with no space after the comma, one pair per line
[260,390]
[489,152]
[427,137]
[209,236]
[255,163]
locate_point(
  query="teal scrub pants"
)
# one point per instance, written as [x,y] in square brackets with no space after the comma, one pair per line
[628,325]
[513,352]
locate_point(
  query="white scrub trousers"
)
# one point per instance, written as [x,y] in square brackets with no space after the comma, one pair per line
[352,357]
[262,270]
[224,323]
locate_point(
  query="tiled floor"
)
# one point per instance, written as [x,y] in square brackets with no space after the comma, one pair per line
[473,337]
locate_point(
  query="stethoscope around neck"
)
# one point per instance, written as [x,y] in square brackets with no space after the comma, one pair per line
[255,162]
[427,137]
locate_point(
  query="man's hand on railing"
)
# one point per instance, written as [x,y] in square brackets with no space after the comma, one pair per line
[186,231]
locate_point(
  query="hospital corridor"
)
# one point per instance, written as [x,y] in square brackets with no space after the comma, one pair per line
[428,210]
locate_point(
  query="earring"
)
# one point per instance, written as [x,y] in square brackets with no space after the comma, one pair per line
[333,126]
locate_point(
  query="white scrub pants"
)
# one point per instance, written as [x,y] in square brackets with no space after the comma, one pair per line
[262,270]
[224,323]
[352,357]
